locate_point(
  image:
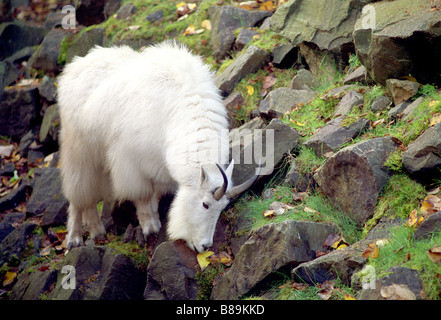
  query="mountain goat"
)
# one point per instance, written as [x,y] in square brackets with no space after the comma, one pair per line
[135,126]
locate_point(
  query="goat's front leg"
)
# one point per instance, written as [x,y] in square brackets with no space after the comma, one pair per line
[147,213]
[74,227]
[93,223]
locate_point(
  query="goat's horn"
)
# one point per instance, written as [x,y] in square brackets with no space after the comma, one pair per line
[219,193]
[244,186]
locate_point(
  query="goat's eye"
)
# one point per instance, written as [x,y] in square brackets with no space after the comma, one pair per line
[205,205]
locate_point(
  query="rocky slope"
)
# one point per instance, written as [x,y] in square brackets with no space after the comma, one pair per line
[348,91]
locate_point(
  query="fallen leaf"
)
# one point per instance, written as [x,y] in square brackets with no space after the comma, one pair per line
[223,257]
[191,30]
[307,209]
[202,259]
[431,204]
[9,278]
[434,254]
[206,24]
[327,288]
[250,90]
[269,213]
[332,240]
[397,292]
[45,251]
[134,27]
[348,297]
[267,83]
[342,246]
[267,6]
[435,119]
[371,251]
[412,218]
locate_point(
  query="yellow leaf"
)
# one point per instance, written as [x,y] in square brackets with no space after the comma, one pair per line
[9,278]
[297,123]
[435,119]
[269,213]
[342,246]
[202,259]
[256,37]
[412,218]
[250,90]
[348,297]
[267,6]
[206,24]
[180,4]
[371,251]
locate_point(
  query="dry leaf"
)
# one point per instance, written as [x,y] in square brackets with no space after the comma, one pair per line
[309,210]
[431,204]
[397,292]
[348,297]
[371,251]
[435,119]
[269,213]
[377,122]
[191,30]
[327,288]
[223,257]
[267,6]
[412,218]
[202,259]
[332,240]
[434,254]
[250,90]
[9,278]
[206,24]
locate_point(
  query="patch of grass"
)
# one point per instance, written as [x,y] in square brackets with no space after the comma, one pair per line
[307,161]
[403,250]
[205,279]
[139,256]
[399,197]
[395,161]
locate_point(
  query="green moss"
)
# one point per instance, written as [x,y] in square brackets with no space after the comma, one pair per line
[139,256]
[205,279]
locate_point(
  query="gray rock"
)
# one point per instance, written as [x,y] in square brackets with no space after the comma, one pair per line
[30,286]
[381,103]
[225,20]
[245,36]
[155,16]
[429,225]
[354,176]
[85,42]
[402,90]
[338,264]
[285,139]
[358,75]
[15,242]
[15,197]
[16,35]
[328,24]
[321,62]
[47,198]
[47,89]
[302,182]
[421,159]
[282,100]
[247,63]
[89,12]
[304,80]
[126,11]
[406,278]
[284,56]
[348,102]
[171,273]
[46,56]
[50,126]
[333,135]
[401,42]
[270,249]
[100,274]
[5,229]
[18,111]
[411,107]
[396,111]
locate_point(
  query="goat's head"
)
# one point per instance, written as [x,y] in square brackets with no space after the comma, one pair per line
[196,209]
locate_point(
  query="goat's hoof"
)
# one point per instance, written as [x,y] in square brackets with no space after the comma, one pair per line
[74,243]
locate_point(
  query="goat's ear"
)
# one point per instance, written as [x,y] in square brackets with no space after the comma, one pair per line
[204,176]
[229,170]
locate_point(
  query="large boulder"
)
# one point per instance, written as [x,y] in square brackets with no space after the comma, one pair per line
[270,249]
[326,23]
[282,100]
[401,42]
[271,144]
[171,274]
[334,134]
[99,273]
[247,63]
[15,242]
[354,176]
[226,19]
[85,42]
[19,108]
[15,36]
[421,159]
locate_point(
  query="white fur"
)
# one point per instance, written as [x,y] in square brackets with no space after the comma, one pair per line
[136,126]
